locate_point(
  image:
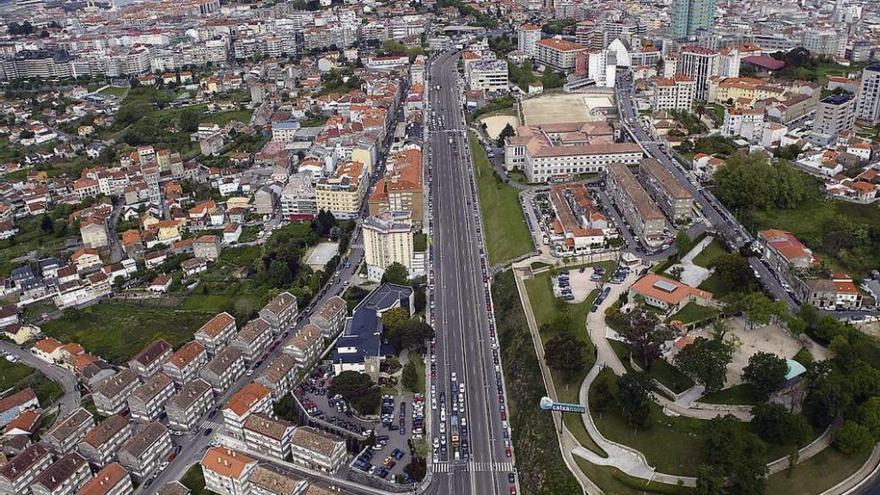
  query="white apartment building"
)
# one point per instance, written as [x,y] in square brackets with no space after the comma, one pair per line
[64,436]
[602,67]
[63,477]
[226,471]
[279,376]
[151,358]
[268,435]
[147,402]
[306,345]
[17,475]
[869,95]
[636,205]
[186,407]
[217,332]
[388,238]
[252,398]
[222,371]
[253,339]
[747,123]
[146,450]
[298,196]
[101,443]
[315,449]
[330,317]
[111,396]
[836,113]
[280,312]
[488,75]
[558,54]
[186,362]
[112,480]
[675,93]
[343,193]
[699,64]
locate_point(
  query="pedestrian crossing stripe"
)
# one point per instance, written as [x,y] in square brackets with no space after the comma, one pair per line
[447,467]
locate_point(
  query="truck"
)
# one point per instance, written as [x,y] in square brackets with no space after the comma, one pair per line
[453,430]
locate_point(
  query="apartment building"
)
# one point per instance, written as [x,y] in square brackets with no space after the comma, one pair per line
[147,402]
[112,480]
[19,473]
[342,193]
[401,187]
[670,195]
[63,477]
[869,95]
[217,332]
[672,93]
[186,362]
[298,199]
[187,406]
[222,371]
[306,345]
[111,396]
[699,64]
[330,317]
[227,471]
[527,37]
[388,239]
[64,436]
[100,444]
[636,205]
[268,435]
[558,54]
[279,376]
[253,340]
[747,123]
[252,398]
[146,450]
[688,16]
[836,113]
[315,449]
[488,75]
[269,480]
[280,312]
[151,359]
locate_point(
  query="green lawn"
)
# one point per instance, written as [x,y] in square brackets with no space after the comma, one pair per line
[743,394]
[113,91]
[249,234]
[575,425]
[613,481]
[420,242]
[661,370]
[694,312]
[223,118]
[807,221]
[716,286]
[32,238]
[420,370]
[194,479]
[17,376]
[709,253]
[506,233]
[117,330]
[817,474]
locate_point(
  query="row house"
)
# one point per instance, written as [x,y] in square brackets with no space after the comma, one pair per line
[268,435]
[253,339]
[317,450]
[186,362]
[145,451]
[185,408]
[280,312]
[306,345]
[217,332]
[64,477]
[151,359]
[279,376]
[101,443]
[147,402]
[112,480]
[111,397]
[252,398]
[222,371]
[19,473]
[330,317]
[66,435]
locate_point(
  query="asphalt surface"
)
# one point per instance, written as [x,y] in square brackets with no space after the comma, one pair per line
[459,298]
[68,402]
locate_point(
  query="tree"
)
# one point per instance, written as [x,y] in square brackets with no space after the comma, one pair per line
[710,481]
[411,334]
[394,319]
[46,224]
[645,335]
[634,399]
[417,468]
[602,392]
[773,423]
[410,377]
[759,309]
[683,242]
[507,132]
[734,271]
[358,390]
[706,362]
[566,354]
[869,416]
[279,274]
[189,120]
[766,372]
[395,273]
[736,455]
[852,438]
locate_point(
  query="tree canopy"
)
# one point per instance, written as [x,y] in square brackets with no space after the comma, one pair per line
[566,354]
[705,361]
[766,372]
[750,182]
[645,335]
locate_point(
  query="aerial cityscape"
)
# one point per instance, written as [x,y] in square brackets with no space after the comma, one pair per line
[489,247]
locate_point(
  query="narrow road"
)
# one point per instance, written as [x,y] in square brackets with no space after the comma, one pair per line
[71,398]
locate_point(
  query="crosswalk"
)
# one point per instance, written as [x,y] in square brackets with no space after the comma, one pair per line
[447,467]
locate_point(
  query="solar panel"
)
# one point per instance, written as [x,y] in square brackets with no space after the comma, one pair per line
[665,286]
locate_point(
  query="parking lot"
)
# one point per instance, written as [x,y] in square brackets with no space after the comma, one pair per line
[399,416]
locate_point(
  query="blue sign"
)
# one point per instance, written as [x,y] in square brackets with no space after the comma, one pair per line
[549,404]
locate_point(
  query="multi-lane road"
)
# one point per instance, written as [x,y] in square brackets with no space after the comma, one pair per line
[461,310]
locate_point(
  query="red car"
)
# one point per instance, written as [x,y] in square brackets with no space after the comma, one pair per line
[512,489]
[507,452]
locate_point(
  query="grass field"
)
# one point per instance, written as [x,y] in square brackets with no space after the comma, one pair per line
[575,425]
[30,238]
[113,91]
[506,233]
[116,330]
[223,118]
[694,312]
[17,376]
[661,370]
[743,394]
[194,479]
[613,481]
[420,371]
[817,474]
[709,253]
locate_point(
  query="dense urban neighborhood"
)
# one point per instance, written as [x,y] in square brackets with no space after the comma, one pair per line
[502,247]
